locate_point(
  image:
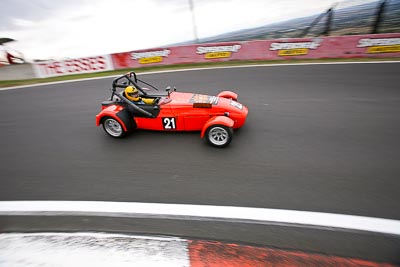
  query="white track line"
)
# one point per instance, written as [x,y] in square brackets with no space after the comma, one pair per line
[272,65]
[207,68]
[91,249]
[201,213]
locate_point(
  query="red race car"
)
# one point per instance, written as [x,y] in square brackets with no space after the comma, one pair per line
[214,116]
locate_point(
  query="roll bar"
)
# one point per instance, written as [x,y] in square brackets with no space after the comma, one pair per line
[131,77]
[134,81]
[128,76]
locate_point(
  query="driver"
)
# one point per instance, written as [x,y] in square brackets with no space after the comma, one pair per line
[132,93]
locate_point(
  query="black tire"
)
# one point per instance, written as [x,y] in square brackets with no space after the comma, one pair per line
[113,128]
[219,135]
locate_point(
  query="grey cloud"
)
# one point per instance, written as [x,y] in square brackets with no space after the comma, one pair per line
[32,10]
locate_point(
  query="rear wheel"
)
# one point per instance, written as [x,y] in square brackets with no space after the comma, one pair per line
[113,127]
[219,135]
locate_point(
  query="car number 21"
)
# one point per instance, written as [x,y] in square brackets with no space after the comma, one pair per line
[169,123]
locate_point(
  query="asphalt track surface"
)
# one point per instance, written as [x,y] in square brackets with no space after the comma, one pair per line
[319,138]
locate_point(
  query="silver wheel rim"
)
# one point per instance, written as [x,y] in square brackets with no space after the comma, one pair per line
[113,127]
[218,136]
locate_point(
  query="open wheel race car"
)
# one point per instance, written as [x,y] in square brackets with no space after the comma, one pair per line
[214,116]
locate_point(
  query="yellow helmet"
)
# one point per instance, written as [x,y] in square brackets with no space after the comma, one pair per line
[132,93]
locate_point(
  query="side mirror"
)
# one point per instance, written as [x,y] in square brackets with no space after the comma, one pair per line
[169,89]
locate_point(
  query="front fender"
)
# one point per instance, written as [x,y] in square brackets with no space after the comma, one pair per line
[228,94]
[222,120]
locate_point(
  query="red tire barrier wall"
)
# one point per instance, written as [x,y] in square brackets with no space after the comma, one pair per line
[357,46]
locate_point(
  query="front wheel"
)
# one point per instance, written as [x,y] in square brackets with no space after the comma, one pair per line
[219,135]
[113,127]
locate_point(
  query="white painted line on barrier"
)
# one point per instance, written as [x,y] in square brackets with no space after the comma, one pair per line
[201,213]
[205,68]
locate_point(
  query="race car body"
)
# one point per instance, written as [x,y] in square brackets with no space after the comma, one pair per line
[214,116]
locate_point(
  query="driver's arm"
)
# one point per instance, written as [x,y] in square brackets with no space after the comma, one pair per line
[149,101]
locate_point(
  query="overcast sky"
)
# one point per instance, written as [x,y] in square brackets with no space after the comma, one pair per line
[46,29]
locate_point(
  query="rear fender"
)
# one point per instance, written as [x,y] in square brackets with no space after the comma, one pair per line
[221,120]
[229,95]
[118,113]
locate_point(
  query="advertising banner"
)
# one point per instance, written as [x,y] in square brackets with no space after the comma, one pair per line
[178,55]
[73,66]
[354,46]
[376,45]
